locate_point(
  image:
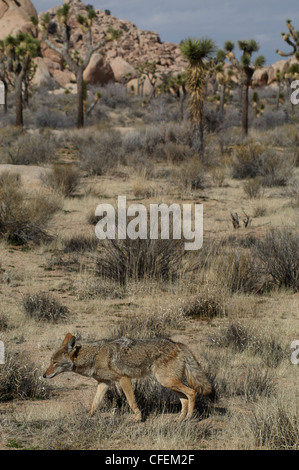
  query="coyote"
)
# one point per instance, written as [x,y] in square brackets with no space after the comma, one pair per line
[123,359]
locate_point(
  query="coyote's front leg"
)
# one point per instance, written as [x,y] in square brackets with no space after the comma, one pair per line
[99,397]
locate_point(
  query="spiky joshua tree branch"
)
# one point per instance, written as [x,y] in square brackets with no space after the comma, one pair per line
[292,39]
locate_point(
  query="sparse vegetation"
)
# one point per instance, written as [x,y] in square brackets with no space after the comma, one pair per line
[42,306]
[21,380]
[139,259]
[24,217]
[64,179]
[233,302]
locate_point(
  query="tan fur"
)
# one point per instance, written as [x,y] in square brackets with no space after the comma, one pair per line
[120,360]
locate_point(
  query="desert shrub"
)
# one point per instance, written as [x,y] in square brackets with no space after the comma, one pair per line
[42,306]
[176,152]
[164,142]
[64,179]
[209,303]
[152,137]
[275,426]
[80,243]
[253,160]
[132,141]
[150,325]
[3,321]
[90,287]
[24,217]
[122,260]
[179,133]
[260,211]
[31,149]
[230,379]
[240,271]
[114,95]
[48,117]
[218,176]
[191,175]
[239,338]
[92,219]
[21,380]
[8,135]
[100,153]
[278,253]
[252,188]
[253,383]
[276,168]
[247,161]
[293,192]
[236,336]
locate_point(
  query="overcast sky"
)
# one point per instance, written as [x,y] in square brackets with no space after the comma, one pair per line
[174,20]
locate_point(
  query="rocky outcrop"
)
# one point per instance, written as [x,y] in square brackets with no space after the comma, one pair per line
[15,17]
[116,58]
[261,76]
[279,65]
[42,75]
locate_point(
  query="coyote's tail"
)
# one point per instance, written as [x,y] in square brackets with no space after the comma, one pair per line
[196,377]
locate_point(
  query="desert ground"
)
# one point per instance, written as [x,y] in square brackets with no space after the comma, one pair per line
[234,302]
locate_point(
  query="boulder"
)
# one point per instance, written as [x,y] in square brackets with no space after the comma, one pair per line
[261,76]
[281,65]
[15,17]
[63,77]
[146,89]
[98,72]
[121,68]
[42,75]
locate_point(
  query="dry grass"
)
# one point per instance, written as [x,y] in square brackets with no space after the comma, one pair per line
[234,302]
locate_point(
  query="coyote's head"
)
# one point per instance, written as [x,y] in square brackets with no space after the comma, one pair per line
[63,359]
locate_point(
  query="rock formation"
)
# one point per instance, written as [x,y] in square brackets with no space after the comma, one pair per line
[118,59]
[15,17]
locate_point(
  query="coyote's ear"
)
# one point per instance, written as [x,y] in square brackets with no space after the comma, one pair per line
[67,339]
[71,344]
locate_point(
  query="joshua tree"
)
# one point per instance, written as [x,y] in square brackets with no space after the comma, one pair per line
[176,86]
[17,67]
[195,51]
[72,59]
[292,39]
[245,70]
[258,107]
[223,78]
[148,69]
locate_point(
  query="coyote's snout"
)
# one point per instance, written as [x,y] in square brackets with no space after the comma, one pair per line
[121,360]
